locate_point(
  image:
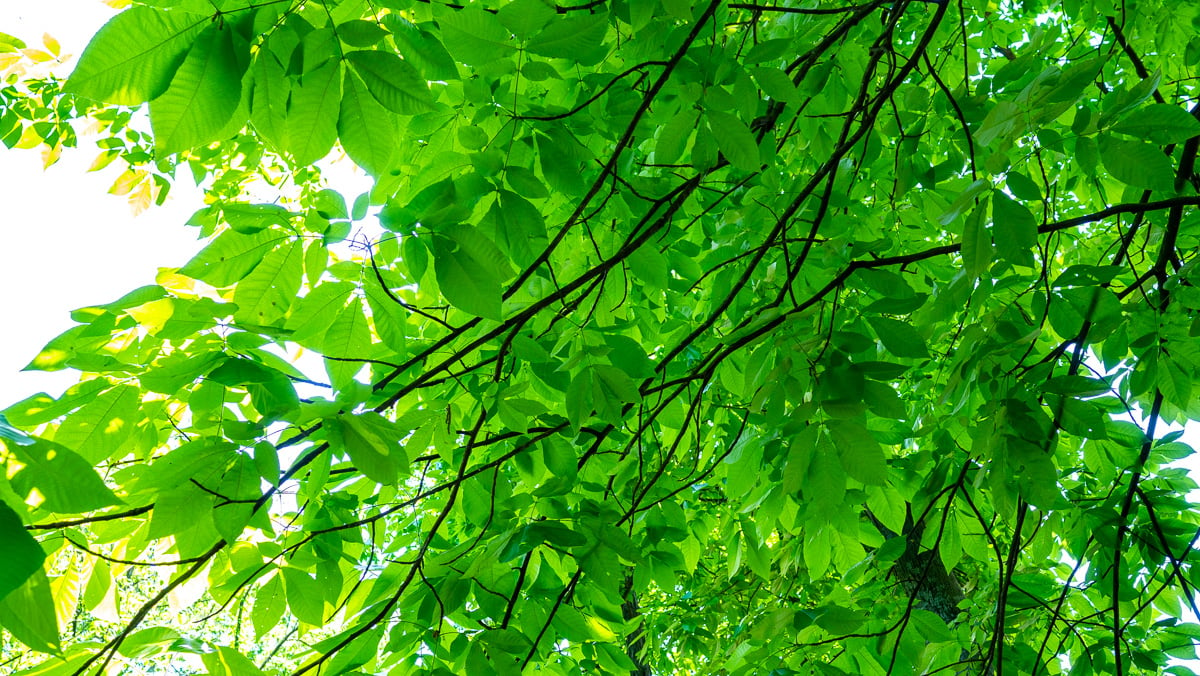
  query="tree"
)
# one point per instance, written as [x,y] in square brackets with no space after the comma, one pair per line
[672,337]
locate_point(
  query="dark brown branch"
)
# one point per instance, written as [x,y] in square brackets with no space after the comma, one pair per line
[129,562]
[796,10]
[56,525]
[592,99]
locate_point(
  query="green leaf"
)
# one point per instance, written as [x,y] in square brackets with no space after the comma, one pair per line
[21,555]
[612,388]
[149,642]
[100,428]
[1002,121]
[526,17]
[965,201]
[269,606]
[519,226]
[265,295]
[976,242]
[60,478]
[304,596]
[776,84]
[316,312]
[251,218]
[388,317]
[1015,230]
[578,38]
[578,402]
[650,267]
[1137,164]
[313,114]
[1159,123]
[470,270]
[231,256]
[226,661]
[347,341]
[197,459]
[361,33]
[202,96]
[473,36]
[135,55]
[900,338]
[269,103]
[27,612]
[372,442]
[861,455]
[1023,187]
[734,139]
[422,48]
[392,81]
[367,131]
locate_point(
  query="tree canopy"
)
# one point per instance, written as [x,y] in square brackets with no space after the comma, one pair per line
[672,336]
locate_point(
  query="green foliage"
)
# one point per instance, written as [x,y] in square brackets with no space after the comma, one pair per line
[671,337]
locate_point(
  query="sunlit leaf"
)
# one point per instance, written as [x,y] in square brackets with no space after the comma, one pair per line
[133,58]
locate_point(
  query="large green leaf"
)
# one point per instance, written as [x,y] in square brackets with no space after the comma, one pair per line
[133,58]
[316,311]
[59,479]
[372,442]
[226,661]
[1135,163]
[473,36]
[366,129]
[388,317]
[470,270]
[313,114]
[1159,123]
[977,246]
[861,454]
[347,342]
[1015,230]
[21,554]
[203,95]
[734,139]
[268,109]
[265,295]
[422,48]
[520,229]
[392,81]
[900,338]
[231,256]
[100,428]
[579,38]
[269,606]
[28,612]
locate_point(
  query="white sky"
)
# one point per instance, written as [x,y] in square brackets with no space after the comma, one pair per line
[64,242]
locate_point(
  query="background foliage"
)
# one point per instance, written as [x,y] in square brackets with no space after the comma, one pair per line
[672,337]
